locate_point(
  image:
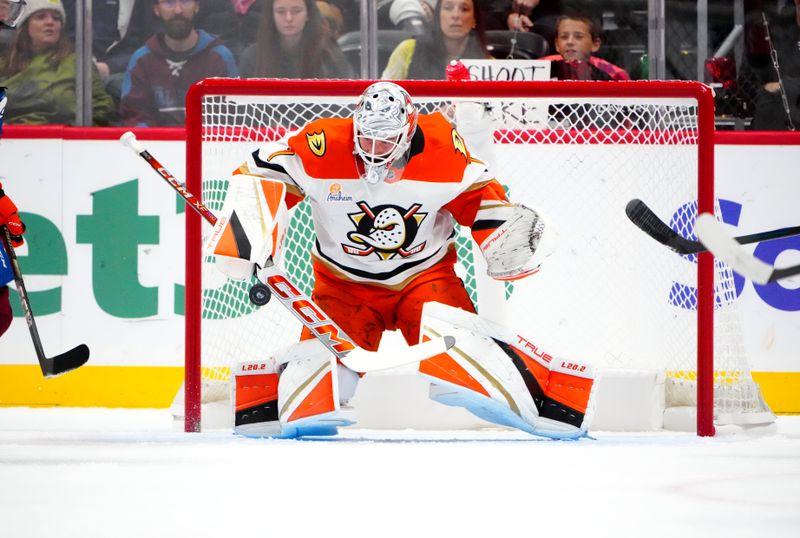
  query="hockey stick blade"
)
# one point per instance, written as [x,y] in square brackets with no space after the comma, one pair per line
[363,361]
[727,249]
[54,366]
[67,361]
[646,220]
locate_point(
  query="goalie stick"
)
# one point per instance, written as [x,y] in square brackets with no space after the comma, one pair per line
[727,249]
[647,221]
[300,305]
[51,366]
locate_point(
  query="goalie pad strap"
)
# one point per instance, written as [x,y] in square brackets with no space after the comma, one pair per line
[255,386]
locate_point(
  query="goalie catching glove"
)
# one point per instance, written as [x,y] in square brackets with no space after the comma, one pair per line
[517,247]
[251,228]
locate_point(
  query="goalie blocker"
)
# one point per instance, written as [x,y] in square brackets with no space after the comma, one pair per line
[250,231]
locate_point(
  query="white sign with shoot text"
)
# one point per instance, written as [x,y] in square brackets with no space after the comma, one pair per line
[534,113]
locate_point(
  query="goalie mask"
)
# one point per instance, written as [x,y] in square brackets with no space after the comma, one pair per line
[10,12]
[384,122]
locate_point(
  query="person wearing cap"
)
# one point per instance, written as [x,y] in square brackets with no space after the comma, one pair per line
[40,71]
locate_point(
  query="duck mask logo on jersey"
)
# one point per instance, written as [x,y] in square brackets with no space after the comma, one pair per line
[386,230]
[316,143]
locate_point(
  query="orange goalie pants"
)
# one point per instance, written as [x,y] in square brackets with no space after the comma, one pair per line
[364,311]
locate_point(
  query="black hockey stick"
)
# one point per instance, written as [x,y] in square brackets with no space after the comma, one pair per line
[724,247]
[647,221]
[51,366]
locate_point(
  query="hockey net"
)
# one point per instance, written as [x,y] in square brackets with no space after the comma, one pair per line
[610,296]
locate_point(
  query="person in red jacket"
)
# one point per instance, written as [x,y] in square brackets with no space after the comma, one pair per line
[10,12]
[9,218]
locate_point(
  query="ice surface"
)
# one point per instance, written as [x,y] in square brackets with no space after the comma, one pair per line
[130,473]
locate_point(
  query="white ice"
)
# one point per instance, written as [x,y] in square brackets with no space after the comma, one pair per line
[130,473]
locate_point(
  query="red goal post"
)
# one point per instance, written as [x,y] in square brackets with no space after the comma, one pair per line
[243,124]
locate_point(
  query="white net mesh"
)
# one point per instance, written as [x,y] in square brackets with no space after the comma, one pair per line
[610,296]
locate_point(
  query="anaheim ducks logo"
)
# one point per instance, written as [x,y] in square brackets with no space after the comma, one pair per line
[459,145]
[386,230]
[316,143]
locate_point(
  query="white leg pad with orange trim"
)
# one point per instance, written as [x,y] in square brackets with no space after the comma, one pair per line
[310,397]
[504,378]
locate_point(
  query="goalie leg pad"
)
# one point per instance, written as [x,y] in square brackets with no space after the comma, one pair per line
[309,392]
[255,397]
[504,378]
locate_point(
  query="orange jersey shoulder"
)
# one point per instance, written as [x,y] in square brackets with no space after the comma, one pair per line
[444,156]
[326,147]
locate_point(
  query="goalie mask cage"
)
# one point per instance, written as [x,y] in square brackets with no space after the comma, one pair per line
[577,151]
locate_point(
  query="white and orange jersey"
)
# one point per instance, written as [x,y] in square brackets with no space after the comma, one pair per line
[389,232]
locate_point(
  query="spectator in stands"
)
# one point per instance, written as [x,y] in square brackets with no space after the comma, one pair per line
[9,12]
[457,33]
[538,16]
[293,43]
[118,29]
[412,16]
[235,22]
[40,71]
[784,32]
[161,72]
[577,39]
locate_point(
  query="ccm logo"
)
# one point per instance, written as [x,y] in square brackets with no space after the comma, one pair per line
[311,316]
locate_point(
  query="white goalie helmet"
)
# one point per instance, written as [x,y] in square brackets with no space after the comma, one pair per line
[384,122]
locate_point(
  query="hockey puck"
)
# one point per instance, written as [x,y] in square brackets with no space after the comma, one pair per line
[260,294]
